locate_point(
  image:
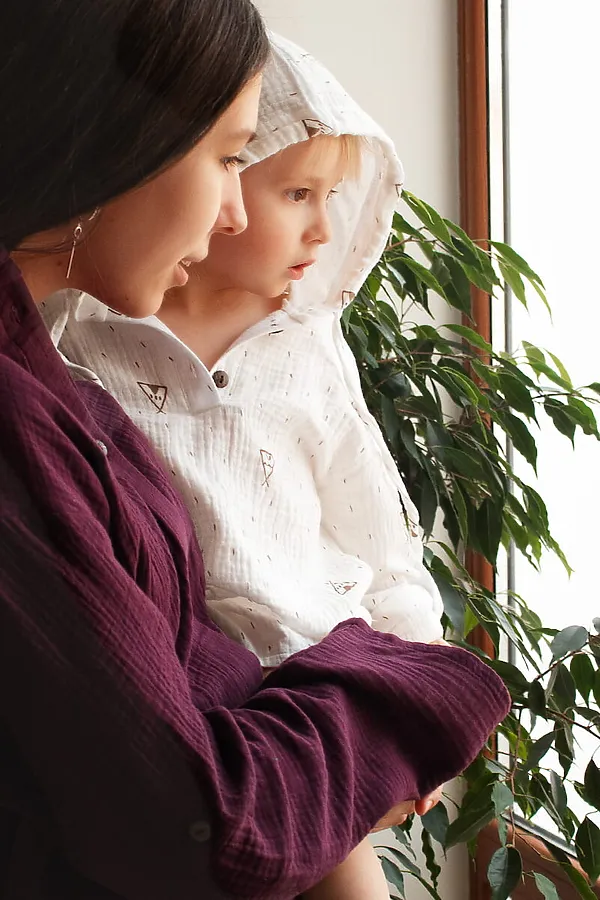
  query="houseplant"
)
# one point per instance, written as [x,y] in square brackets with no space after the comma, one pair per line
[446,402]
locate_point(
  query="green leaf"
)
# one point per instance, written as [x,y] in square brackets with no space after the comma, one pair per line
[546,888]
[569,640]
[389,418]
[541,791]
[454,602]
[502,826]
[520,435]
[471,336]
[438,439]
[574,876]
[514,281]
[583,415]
[536,699]
[474,815]
[428,506]
[504,872]
[587,844]
[436,822]
[591,784]
[534,354]
[559,794]
[583,674]
[577,879]
[563,689]
[458,289]
[402,834]
[502,798]
[513,678]
[428,216]
[458,502]
[431,862]
[405,861]
[563,372]
[539,749]
[516,261]
[562,421]
[596,688]
[393,875]
[516,393]
[425,275]
[564,746]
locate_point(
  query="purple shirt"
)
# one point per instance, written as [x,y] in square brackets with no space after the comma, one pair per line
[141,754]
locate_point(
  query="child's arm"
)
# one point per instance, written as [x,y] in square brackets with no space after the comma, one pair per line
[366,510]
[366,507]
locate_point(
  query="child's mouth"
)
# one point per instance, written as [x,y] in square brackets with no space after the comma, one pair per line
[298,271]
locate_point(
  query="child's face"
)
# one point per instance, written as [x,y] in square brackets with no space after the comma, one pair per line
[286,199]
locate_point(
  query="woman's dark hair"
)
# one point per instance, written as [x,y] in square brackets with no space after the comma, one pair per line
[97,96]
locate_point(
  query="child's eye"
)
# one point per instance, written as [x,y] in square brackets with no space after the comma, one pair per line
[331,194]
[231,162]
[298,195]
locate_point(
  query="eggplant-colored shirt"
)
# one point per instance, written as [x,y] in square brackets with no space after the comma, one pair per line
[141,755]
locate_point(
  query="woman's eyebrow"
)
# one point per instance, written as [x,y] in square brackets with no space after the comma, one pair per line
[244,134]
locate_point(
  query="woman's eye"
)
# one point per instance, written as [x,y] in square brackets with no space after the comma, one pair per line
[232,162]
[331,194]
[298,195]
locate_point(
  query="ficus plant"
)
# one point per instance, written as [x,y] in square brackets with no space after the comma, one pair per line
[449,405]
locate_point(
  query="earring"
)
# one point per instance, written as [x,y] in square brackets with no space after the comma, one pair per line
[77,232]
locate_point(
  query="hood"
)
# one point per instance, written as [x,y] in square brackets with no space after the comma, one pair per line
[301,98]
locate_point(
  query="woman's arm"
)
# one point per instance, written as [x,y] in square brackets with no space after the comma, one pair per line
[143,786]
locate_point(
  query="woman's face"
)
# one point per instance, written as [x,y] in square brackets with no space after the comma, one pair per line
[134,250]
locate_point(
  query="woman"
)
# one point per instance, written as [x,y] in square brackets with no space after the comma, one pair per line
[141,756]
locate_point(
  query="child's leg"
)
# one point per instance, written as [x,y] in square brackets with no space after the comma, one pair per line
[359,877]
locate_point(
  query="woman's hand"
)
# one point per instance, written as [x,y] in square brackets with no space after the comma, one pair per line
[429,801]
[400,813]
[397,815]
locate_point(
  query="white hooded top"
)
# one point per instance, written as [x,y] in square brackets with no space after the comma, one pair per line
[299,508]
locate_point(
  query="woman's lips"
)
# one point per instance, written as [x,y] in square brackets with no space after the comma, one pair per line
[180,274]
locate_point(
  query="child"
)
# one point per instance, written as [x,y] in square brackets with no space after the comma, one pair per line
[250,392]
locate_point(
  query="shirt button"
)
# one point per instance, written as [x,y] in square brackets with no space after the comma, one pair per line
[200,832]
[102,447]
[220,378]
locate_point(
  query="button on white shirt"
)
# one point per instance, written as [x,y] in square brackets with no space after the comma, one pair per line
[301,515]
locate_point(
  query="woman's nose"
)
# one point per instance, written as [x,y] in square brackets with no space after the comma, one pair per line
[232,216]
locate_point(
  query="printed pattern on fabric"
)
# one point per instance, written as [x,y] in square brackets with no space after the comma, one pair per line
[299,514]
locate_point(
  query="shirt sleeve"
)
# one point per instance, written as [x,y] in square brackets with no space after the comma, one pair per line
[364,497]
[366,510]
[148,784]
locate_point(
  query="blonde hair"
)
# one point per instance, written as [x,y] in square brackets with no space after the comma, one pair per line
[349,146]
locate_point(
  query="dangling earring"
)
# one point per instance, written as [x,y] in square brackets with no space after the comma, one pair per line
[77,232]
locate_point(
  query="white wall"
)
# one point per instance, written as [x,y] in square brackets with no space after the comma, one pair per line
[398,59]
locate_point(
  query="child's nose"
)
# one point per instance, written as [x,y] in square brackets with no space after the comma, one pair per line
[321,230]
